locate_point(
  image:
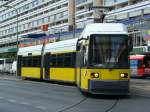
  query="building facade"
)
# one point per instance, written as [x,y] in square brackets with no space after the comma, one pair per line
[59,15]
[136,15]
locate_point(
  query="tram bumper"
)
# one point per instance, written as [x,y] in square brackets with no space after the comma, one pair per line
[109,87]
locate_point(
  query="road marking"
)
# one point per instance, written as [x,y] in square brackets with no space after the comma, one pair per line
[11,100]
[24,103]
[41,107]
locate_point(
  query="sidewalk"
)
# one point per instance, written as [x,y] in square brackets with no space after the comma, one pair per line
[8,77]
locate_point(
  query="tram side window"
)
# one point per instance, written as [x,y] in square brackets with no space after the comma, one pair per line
[36,61]
[60,60]
[63,60]
[32,61]
[67,60]
[24,62]
[73,59]
[53,60]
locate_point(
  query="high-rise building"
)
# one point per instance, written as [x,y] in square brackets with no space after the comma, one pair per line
[32,14]
[59,15]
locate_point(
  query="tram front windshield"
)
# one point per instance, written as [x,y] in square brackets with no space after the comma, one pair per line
[108,51]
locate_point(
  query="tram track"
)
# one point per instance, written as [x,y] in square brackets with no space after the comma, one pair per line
[83,100]
[74,105]
[109,109]
[131,94]
[113,106]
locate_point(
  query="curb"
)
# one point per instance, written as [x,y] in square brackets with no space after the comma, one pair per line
[9,78]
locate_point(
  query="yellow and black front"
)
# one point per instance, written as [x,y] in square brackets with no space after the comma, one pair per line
[103,65]
[104,81]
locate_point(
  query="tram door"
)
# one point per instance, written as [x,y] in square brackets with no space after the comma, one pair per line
[79,64]
[78,69]
[19,65]
[47,66]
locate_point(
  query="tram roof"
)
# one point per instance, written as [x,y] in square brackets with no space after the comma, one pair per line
[35,50]
[61,46]
[104,28]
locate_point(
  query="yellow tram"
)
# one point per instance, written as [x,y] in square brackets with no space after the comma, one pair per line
[97,62]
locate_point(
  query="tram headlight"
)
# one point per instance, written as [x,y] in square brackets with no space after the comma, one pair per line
[124,75]
[95,75]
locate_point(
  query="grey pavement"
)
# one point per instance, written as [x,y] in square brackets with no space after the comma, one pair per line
[36,96]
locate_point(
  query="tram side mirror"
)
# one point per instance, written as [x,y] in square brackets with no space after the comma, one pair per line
[79,44]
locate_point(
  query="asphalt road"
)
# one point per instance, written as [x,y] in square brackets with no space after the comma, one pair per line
[33,96]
